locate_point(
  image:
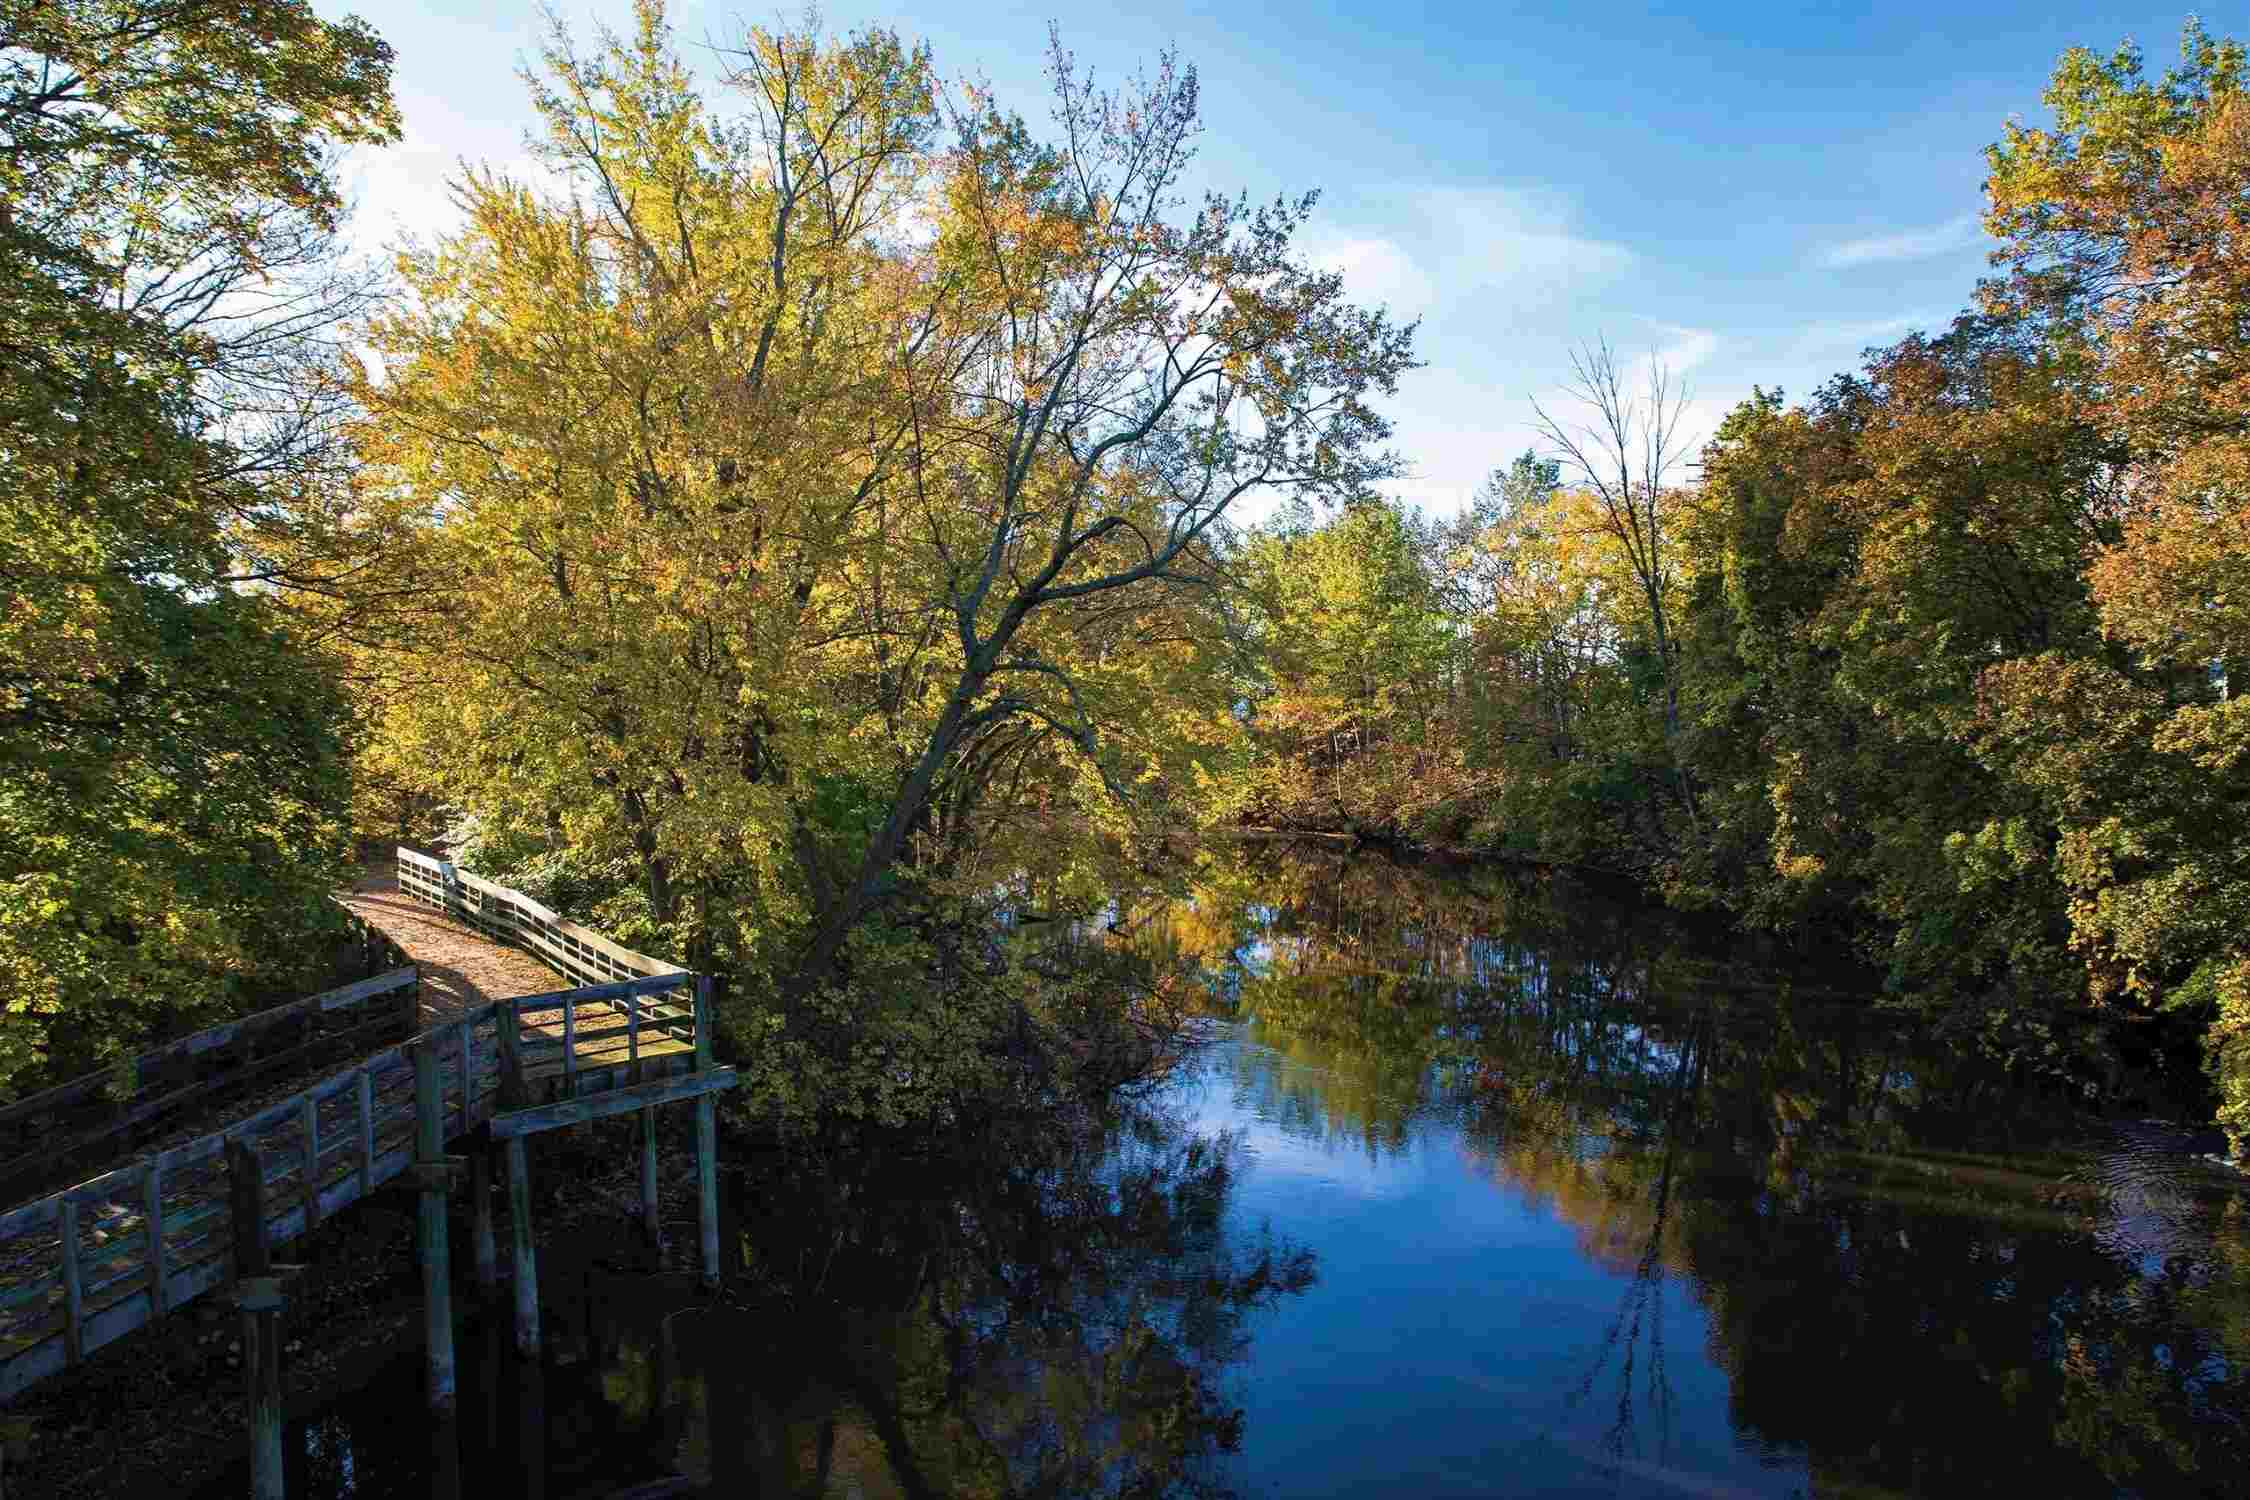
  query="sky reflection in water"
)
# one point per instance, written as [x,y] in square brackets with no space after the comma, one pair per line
[1480,1188]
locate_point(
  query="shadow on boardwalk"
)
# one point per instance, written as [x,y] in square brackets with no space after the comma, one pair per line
[461,967]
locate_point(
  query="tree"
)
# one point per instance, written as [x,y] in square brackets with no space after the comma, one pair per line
[171,759]
[2123,227]
[1626,456]
[1128,379]
[1360,664]
[812,494]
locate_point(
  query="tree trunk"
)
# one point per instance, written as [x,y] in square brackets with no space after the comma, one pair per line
[855,898]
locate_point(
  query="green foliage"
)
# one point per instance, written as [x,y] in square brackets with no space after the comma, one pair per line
[172,759]
[1959,645]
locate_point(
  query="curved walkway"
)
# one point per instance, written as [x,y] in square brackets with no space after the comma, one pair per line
[461,967]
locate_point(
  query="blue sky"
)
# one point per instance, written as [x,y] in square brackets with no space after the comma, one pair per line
[1754,193]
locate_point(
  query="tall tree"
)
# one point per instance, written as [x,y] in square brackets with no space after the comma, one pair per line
[171,769]
[2124,227]
[1626,456]
[806,479]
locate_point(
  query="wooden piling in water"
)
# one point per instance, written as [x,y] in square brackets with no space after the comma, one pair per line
[431,1170]
[259,1295]
[480,1216]
[706,1141]
[648,1178]
[526,1257]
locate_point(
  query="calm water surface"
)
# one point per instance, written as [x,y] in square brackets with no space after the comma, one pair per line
[1477,1187]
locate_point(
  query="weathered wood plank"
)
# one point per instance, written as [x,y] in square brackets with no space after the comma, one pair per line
[703,1001]
[507,1027]
[615,990]
[575,1111]
[207,1039]
[31,1217]
[201,1149]
[110,1183]
[365,989]
[633,1035]
[467,1046]
[191,1277]
[615,1038]
[261,1331]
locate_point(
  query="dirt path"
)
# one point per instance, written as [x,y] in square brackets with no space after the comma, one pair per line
[460,966]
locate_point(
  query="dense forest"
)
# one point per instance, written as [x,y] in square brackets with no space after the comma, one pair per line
[822,511]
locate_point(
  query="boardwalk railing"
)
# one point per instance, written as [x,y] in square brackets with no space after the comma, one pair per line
[84,1266]
[579,954]
[102,1115]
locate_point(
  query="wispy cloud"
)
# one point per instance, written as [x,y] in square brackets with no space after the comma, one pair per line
[1511,250]
[1380,272]
[1498,236]
[1847,339]
[405,191]
[1688,347]
[1905,244]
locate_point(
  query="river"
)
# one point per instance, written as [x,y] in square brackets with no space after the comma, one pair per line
[1476,1185]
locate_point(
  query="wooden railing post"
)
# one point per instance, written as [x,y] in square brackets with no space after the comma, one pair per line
[468,1077]
[261,1317]
[309,1116]
[74,1290]
[511,1056]
[649,1221]
[633,1038]
[526,1255]
[429,1152]
[152,1210]
[365,1093]
[706,1140]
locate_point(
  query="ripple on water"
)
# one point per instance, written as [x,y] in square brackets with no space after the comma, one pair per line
[2164,1194]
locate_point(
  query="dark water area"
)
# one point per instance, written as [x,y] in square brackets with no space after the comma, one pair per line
[1475,1186]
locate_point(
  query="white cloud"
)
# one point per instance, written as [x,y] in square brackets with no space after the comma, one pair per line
[1821,336]
[404,191]
[1497,237]
[1513,251]
[1379,272]
[1688,348]
[1905,244]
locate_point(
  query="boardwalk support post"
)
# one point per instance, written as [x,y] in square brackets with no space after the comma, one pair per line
[431,1172]
[480,1213]
[526,1258]
[259,1295]
[648,1178]
[706,1141]
[510,1038]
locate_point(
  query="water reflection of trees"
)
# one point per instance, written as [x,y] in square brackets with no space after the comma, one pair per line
[1058,1311]
[1894,1244]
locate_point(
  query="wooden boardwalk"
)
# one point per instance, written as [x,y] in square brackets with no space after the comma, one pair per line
[81,1267]
[461,968]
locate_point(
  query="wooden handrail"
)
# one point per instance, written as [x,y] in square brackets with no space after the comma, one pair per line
[139,1241]
[209,1038]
